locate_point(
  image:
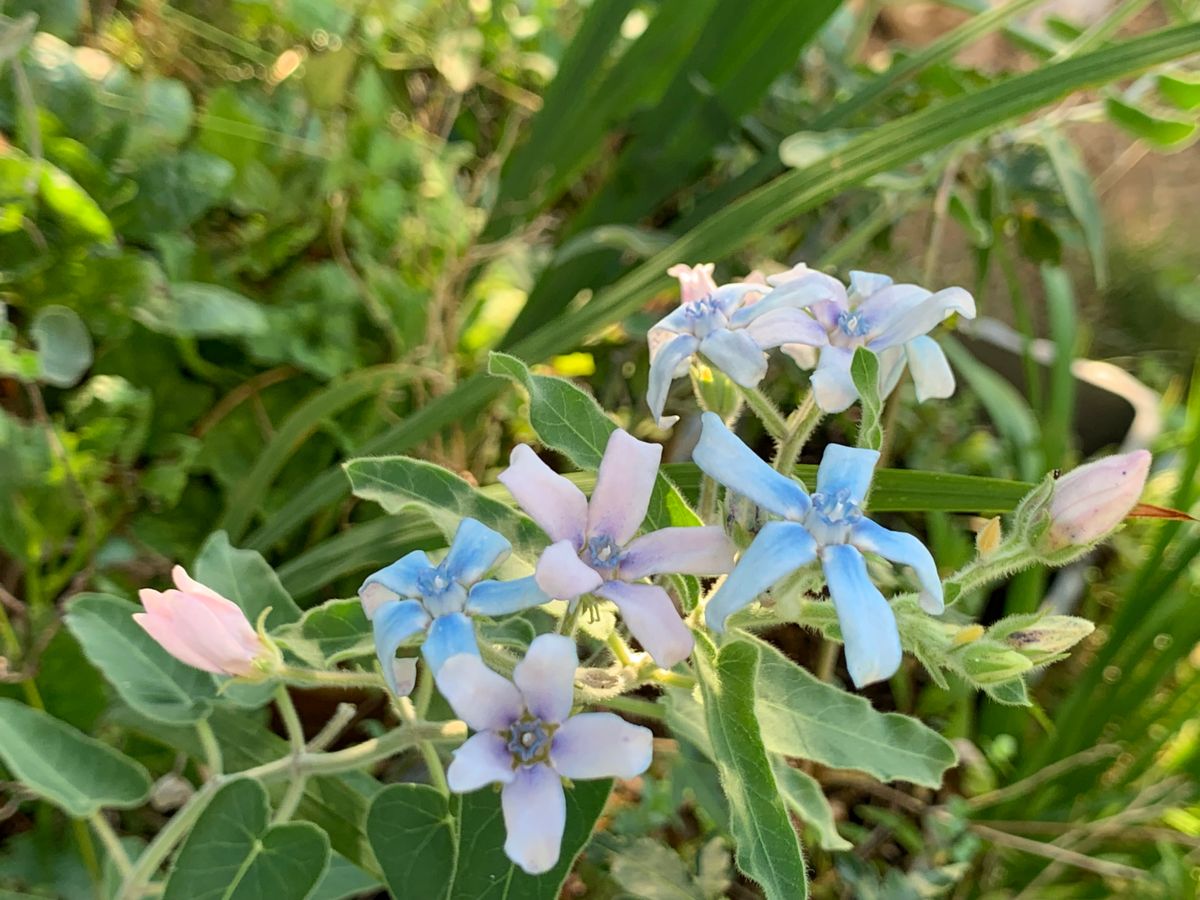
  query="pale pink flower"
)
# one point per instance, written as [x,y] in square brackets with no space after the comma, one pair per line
[199,627]
[1090,501]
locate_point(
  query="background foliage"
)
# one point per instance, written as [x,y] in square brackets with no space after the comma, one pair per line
[241,244]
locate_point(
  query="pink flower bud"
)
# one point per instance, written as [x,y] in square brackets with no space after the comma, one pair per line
[695,282]
[198,626]
[1091,501]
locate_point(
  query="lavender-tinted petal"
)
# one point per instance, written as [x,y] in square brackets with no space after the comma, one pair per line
[778,550]
[623,487]
[867,623]
[561,574]
[535,814]
[546,677]
[737,355]
[395,622]
[601,745]
[665,363]
[483,699]
[722,456]
[833,386]
[482,759]
[930,369]
[884,310]
[891,366]
[475,550]
[498,598]
[921,318]
[906,550]
[401,578]
[702,550]
[847,468]
[864,284]
[652,619]
[449,635]
[787,326]
[799,291]
[558,506]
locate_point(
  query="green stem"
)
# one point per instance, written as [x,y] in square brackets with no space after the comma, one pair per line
[799,428]
[212,750]
[707,506]
[433,762]
[619,648]
[981,571]
[635,706]
[424,692]
[331,679]
[295,732]
[112,843]
[766,412]
[342,716]
[134,885]
[672,679]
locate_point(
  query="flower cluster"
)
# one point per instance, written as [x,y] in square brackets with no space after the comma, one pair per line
[526,738]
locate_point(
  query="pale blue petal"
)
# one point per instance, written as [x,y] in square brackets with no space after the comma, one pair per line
[498,598]
[779,549]
[484,699]
[395,622]
[891,366]
[722,456]
[475,550]
[787,326]
[808,289]
[535,814]
[737,355]
[930,369]
[906,550]
[663,369]
[601,745]
[482,759]
[449,635]
[868,625]
[864,284]
[921,318]
[728,297]
[652,618]
[402,576]
[846,468]
[833,386]
[546,677]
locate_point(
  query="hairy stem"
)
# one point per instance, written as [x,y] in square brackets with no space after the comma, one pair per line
[765,410]
[799,428]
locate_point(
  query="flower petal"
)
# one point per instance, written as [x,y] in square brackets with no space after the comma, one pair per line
[563,575]
[497,598]
[868,625]
[906,550]
[695,282]
[832,384]
[699,550]
[546,677]
[652,618]
[601,745]
[482,759]
[722,456]
[449,635]
[169,637]
[395,622]
[864,284]
[623,487]
[554,503]
[401,578]
[850,468]
[664,368]
[930,369]
[778,550]
[475,550]
[802,355]
[787,326]
[485,700]
[737,355]
[228,644]
[190,585]
[535,814]
[905,317]
[799,288]
[891,366]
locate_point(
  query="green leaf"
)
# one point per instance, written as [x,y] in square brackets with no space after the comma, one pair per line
[1181,88]
[804,797]
[244,577]
[63,344]
[397,483]
[145,675]
[72,203]
[806,148]
[649,870]
[1010,693]
[453,849]
[232,854]
[343,881]
[864,369]
[802,716]
[15,35]
[1160,129]
[330,633]
[1080,195]
[76,773]
[191,309]
[767,848]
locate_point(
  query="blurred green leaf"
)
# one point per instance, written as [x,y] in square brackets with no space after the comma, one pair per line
[15,34]
[1159,128]
[145,676]
[202,310]
[63,344]
[1181,88]
[651,871]
[233,853]
[72,203]
[1081,197]
[76,773]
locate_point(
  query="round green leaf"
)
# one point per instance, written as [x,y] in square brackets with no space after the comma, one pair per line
[63,344]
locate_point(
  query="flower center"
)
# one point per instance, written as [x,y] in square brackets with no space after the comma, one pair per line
[602,553]
[529,741]
[852,324]
[440,593]
[705,316]
[832,515]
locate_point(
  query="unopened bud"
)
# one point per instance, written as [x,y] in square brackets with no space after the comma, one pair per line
[967,634]
[1091,500]
[1048,637]
[716,391]
[988,538]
